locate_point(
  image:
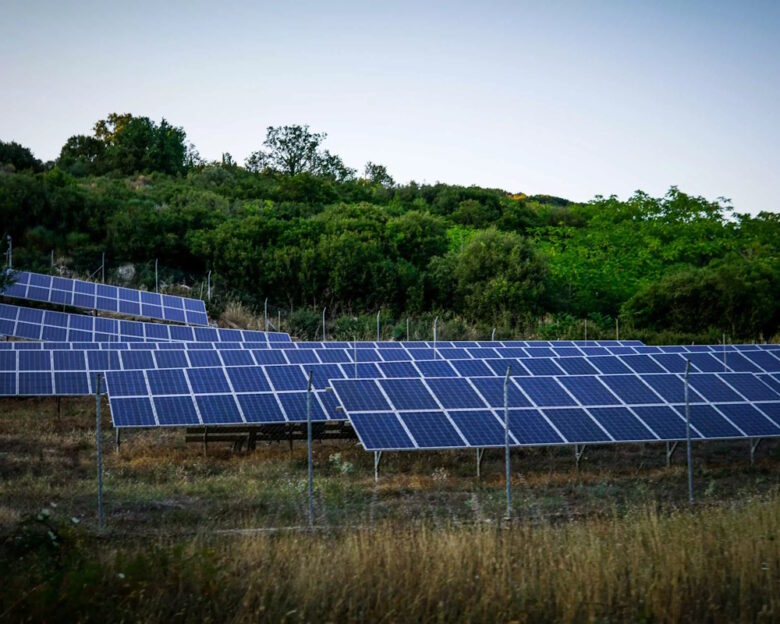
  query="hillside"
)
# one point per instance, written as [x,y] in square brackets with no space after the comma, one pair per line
[297,226]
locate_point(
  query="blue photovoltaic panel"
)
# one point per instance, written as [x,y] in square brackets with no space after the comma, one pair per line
[163,382]
[455,393]
[749,419]
[381,430]
[175,410]
[765,360]
[541,366]
[529,426]
[289,377]
[132,412]
[665,421]
[269,356]
[431,430]
[621,424]
[712,388]
[738,362]
[436,368]
[333,356]
[323,373]
[8,384]
[575,425]
[218,409]
[706,362]
[750,387]
[208,380]
[577,366]
[77,293]
[673,362]
[610,365]
[398,369]
[302,356]
[630,389]
[772,410]
[360,395]
[171,359]
[137,360]
[365,370]
[71,383]
[261,408]
[672,388]
[294,404]
[544,391]
[408,394]
[642,364]
[589,390]
[471,368]
[237,357]
[247,379]
[35,383]
[394,355]
[126,383]
[709,422]
[479,427]
[492,389]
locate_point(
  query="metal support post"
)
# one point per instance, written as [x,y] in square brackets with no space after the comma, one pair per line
[156,280]
[308,440]
[435,323]
[617,329]
[506,446]
[670,449]
[52,259]
[10,253]
[208,287]
[265,314]
[688,432]
[378,333]
[754,442]
[377,459]
[324,333]
[480,453]
[103,268]
[117,440]
[493,334]
[586,330]
[407,329]
[578,451]
[99,452]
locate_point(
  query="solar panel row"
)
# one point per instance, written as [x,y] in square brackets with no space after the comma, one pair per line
[215,396]
[403,414]
[49,325]
[91,296]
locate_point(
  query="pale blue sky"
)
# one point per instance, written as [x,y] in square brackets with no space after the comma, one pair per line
[567,98]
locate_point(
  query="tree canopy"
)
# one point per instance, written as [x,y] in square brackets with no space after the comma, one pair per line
[297,226]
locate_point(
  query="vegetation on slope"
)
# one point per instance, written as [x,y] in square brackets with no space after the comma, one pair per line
[298,226]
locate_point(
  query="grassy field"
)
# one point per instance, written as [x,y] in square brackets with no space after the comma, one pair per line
[218,536]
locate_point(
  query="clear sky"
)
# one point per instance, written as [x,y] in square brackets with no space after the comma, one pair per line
[566,98]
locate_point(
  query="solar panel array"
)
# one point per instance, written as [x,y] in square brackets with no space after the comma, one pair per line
[49,325]
[216,396]
[92,296]
[446,413]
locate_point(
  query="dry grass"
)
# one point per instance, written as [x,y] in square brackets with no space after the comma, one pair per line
[614,541]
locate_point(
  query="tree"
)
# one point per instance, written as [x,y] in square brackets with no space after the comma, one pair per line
[19,157]
[291,150]
[377,174]
[129,145]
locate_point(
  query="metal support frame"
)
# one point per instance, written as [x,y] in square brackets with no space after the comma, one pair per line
[435,323]
[671,447]
[754,442]
[208,287]
[377,459]
[205,440]
[688,433]
[617,329]
[493,334]
[586,330]
[308,441]
[506,446]
[103,268]
[98,436]
[265,314]
[324,333]
[480,453]
[407,329]
[579,449]
[378,332]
